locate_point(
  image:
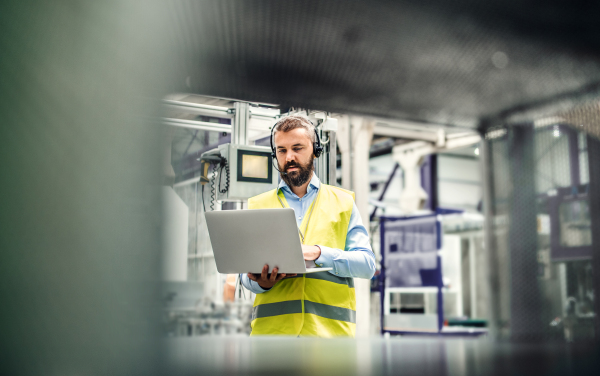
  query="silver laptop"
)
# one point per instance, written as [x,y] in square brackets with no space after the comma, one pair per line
[243,241]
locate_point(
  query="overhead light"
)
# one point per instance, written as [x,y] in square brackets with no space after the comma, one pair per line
[476,151]
[547,121]
[496,133]
[556,131]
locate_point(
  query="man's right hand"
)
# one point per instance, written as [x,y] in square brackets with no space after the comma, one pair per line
[265,281]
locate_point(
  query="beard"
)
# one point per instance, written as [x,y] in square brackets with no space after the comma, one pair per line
[298,177]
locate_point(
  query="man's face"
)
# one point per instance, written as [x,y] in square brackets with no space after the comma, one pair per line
[294,156]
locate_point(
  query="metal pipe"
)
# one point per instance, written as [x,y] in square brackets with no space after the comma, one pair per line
[262,117]
[403,133]
[200,109]
[186,182]
[193,124]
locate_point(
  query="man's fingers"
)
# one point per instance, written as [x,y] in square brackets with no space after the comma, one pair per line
[273,277]
[274,274]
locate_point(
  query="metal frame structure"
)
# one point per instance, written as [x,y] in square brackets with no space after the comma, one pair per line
[243,118]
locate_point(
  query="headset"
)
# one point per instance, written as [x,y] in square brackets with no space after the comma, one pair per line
[317,148]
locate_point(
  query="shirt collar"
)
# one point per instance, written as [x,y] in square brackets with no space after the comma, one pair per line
[315,183]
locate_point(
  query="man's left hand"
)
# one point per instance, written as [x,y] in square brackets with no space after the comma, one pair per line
[311,252]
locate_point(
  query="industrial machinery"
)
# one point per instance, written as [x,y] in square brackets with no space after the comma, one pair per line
[239,171]
[419,273]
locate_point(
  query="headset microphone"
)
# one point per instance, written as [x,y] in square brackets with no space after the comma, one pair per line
[274,166]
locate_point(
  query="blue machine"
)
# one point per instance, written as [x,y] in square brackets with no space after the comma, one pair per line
[410,259]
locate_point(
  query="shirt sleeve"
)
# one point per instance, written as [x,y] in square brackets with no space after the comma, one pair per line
[358,260]
[251,285]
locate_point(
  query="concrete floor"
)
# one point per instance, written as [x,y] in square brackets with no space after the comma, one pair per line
[374,356]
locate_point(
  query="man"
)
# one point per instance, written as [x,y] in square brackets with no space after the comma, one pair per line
[315,304]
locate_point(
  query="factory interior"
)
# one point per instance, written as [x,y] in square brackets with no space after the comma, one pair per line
[468,132]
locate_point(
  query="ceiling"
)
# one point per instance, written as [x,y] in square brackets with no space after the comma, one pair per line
[461,63]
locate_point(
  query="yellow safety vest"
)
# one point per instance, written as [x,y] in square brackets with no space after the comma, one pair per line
[315,304]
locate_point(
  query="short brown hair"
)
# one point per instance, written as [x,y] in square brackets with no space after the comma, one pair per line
[290,122]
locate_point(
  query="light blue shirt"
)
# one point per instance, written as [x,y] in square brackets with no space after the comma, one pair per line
[358,261]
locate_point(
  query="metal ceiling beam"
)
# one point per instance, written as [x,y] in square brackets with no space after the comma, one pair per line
[194,124]
[381,130]
[199,109]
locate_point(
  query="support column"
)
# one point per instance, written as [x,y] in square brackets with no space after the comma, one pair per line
[343,141]
[362,134]
[354,141]
[490,266]
[239,133]
[593,146]
[525,303]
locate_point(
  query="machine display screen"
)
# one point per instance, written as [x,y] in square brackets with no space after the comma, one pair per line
[254,166]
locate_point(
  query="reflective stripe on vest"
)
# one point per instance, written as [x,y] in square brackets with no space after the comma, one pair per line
[313,304]
[332,278]
[295,306]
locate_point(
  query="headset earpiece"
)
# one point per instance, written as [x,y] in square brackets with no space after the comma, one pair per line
[273,154]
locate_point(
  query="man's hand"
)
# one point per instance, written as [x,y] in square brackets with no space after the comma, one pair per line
[265,281]
[311,252]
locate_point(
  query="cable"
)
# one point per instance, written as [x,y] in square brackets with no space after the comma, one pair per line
[226,165]
[213,188]
[202,196]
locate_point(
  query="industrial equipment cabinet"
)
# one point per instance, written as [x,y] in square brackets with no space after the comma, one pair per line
[417,242]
